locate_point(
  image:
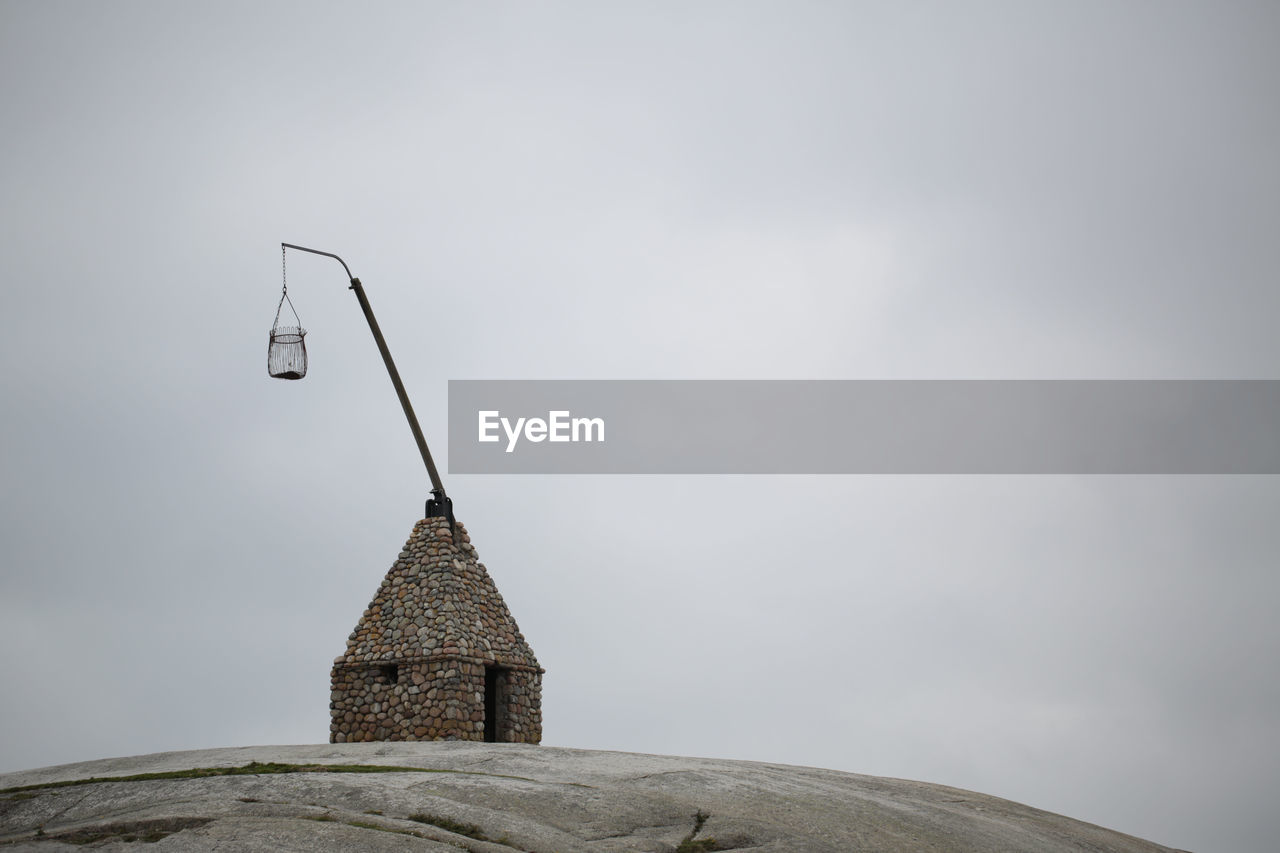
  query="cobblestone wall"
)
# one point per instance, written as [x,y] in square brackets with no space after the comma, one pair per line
[436,655]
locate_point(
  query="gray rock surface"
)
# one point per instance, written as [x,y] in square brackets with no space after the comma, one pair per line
[517,797]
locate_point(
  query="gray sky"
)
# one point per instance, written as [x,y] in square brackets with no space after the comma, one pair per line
[659,190]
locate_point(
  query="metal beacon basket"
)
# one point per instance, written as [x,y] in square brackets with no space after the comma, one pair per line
[287,346]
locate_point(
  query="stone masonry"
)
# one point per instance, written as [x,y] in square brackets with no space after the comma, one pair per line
[436,655]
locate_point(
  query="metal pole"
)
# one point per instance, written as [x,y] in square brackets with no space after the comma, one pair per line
[443,505]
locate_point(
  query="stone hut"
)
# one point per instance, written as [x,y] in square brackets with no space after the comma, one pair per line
[436,655]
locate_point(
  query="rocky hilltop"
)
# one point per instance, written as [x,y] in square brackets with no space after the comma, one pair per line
[500,798]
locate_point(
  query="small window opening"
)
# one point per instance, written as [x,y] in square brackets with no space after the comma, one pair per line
[390,672]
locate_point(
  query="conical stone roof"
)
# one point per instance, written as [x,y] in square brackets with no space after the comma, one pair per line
[438,601]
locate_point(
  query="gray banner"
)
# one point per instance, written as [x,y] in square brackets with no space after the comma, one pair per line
[864,427]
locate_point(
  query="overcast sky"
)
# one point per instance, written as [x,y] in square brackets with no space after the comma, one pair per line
[645,190]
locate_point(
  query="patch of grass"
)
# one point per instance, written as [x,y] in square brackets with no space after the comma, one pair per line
[145,831]
[373,811]
[253,768]
[450,825]
[689,845]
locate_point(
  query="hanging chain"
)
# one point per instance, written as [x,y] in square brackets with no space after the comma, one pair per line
[284,293]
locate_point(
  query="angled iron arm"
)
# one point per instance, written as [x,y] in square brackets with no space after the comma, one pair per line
[441,504]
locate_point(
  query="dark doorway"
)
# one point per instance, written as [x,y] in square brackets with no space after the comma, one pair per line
[495,704]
